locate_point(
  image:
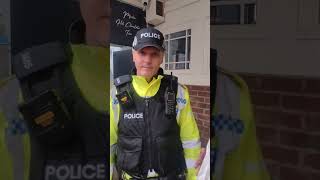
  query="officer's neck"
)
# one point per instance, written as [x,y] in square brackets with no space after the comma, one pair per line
[148,79]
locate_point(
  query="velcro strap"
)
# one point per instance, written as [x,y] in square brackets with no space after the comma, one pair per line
[39,58]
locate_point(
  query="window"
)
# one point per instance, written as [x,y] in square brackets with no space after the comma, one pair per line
[159,8]
[177,55]
[224,12]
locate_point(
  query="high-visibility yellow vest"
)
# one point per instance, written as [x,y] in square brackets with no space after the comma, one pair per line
[236,152]
[90,67]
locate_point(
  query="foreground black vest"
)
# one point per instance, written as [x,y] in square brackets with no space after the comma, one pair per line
[147,137]
[69,138]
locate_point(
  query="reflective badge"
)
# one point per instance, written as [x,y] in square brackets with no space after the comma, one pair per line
[125,99]
[45,119]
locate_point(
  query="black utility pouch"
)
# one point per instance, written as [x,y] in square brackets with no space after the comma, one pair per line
[129,154]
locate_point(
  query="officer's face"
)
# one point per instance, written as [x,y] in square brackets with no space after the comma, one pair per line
[96,14]
[147,61]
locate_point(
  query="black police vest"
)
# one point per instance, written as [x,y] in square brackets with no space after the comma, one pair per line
[147,138]
[69,139]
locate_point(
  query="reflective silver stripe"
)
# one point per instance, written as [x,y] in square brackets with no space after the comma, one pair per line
[113,149]
[180,92]
[227,104]
[180,106]
[9,97]
[111,169]
[228,96]
[191,144]
[190,163]
[112,152]
[114,106]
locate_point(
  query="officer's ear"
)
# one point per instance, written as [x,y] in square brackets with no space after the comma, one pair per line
[134,55]
[162,56]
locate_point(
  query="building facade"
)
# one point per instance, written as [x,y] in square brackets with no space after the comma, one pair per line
[275,46]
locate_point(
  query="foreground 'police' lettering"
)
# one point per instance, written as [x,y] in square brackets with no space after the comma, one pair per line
[73,172]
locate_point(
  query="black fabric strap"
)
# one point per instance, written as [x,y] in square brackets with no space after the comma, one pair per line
[40,68]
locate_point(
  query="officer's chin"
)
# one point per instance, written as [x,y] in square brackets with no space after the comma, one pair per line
[147,76]
[146,72]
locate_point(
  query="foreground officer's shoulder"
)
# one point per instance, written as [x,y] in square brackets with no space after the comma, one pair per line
[231,77]
[9,85]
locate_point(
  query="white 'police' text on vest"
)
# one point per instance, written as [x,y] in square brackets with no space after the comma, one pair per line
[133,116]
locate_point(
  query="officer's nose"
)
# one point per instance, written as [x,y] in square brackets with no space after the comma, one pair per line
[148,58]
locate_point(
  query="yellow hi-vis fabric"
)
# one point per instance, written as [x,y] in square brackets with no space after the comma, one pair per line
[189,132]
[237,153]
[90,66]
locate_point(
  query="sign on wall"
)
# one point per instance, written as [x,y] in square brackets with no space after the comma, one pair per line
[125,22]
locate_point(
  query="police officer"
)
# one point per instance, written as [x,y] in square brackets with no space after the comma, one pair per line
[59,94]
[235,151]
[153,133]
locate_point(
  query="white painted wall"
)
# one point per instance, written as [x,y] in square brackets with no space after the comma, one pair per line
[285,40]
[194,15]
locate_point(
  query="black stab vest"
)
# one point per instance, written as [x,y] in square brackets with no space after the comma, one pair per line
[147,137]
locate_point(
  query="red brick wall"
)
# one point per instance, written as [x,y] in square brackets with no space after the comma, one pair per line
[200,103]
[288,124]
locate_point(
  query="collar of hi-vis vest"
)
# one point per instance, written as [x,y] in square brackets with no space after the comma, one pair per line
[90,67]
[145,89]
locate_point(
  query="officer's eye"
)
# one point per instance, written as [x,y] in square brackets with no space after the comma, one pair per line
[155,54]
[142,53]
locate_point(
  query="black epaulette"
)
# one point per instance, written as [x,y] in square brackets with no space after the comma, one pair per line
[121,80]
[123,95]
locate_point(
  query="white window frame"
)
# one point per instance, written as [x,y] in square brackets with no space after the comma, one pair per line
[242,4]
[186,61]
